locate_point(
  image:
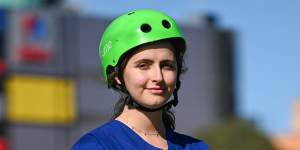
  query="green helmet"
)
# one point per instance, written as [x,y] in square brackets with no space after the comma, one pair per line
[134,29]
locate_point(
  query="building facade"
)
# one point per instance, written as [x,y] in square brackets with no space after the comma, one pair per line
[54,89]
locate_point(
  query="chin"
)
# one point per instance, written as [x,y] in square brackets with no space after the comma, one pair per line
[155,103]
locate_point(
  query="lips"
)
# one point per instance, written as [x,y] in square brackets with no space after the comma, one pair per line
[156,90]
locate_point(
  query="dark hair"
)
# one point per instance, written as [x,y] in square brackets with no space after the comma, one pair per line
[112,72]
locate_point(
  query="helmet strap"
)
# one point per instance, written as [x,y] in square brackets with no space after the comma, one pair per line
[135,104]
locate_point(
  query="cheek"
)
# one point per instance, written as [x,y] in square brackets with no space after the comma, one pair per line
[171,79]
[135,79]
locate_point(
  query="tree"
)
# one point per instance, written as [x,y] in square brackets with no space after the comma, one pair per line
[235,135]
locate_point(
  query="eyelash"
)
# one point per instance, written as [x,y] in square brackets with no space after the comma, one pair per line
[169,66]
[144,66]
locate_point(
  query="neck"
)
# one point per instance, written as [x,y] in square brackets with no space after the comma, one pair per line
[147,121]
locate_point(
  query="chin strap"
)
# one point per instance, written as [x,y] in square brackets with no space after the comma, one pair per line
[136,105]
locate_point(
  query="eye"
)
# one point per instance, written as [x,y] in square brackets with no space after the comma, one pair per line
[169,66]
[143,66]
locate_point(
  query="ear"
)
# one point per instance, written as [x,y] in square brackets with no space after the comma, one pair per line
[118,80]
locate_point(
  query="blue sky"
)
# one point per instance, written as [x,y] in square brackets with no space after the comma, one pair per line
[268,49]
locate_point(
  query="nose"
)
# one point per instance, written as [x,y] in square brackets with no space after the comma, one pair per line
[157,75]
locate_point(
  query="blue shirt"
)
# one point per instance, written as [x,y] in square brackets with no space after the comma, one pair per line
[115,135]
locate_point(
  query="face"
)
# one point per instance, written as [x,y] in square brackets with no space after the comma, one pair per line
[151,73]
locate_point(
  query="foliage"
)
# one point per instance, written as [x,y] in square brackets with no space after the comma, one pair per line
[235,135]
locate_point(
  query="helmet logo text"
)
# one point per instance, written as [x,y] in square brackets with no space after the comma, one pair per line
[106,48]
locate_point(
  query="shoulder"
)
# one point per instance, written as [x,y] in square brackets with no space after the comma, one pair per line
[188,141]
[97,138]
[105,129]
[87,142]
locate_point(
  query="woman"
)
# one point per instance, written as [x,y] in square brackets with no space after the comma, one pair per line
[142,58]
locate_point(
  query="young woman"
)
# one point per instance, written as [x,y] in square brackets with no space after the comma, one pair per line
[142,58]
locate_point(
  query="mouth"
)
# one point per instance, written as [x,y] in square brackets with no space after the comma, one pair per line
[156,90]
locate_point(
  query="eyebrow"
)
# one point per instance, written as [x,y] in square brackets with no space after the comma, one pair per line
[168,61]
[143,61]
[151,61]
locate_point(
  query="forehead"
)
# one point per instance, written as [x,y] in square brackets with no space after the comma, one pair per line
[161,49]
[157,45]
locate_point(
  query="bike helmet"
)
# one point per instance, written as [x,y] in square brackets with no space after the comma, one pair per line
[134,29]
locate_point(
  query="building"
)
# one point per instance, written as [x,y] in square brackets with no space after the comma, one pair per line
[54,90]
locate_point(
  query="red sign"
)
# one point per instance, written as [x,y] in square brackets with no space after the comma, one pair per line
[2,68]
[3,144]
[35,54]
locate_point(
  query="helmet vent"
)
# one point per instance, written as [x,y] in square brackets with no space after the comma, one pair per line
[166,24]
[146,28]
[131,13]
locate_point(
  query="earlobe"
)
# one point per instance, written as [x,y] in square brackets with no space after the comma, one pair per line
[118,80]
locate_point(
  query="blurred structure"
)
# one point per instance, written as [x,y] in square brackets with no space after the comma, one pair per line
[207,87]
[2,63]
[28,4]
[292,140]
[40,89]
[53,86]
[3,138]
[16,4]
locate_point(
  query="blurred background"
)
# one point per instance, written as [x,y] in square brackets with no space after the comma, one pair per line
[241,90]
